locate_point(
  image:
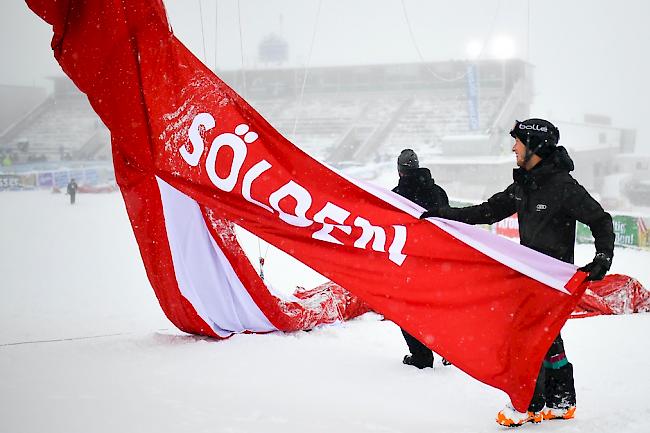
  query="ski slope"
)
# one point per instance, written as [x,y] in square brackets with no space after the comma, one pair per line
[84,347]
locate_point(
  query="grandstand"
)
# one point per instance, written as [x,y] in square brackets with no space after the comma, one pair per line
[455,114]
[17,102]
[343,114]
[368,113]
[63,127]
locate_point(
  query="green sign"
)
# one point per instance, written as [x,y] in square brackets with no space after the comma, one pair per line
[626,231]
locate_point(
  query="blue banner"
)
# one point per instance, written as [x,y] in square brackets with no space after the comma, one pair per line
[9,182]
[45,179]
[61,178]
[90,176]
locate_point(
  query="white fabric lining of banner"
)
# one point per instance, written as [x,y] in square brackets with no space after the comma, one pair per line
[204,275]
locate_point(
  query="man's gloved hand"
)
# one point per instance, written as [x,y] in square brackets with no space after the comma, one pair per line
[433,212]
[598,267]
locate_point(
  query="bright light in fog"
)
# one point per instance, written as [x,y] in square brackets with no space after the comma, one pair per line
[474,49]
[503,47]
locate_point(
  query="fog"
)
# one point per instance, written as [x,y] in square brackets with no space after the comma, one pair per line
[589,56]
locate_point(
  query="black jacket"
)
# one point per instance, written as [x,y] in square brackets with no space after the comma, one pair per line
[421,189]
[72,188]
[548,201]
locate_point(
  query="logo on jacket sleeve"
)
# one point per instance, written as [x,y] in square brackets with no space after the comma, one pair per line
[540,207]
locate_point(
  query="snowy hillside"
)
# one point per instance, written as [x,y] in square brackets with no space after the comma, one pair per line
[84,347]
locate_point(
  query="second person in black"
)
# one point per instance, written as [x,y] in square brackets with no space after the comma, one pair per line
[417,185]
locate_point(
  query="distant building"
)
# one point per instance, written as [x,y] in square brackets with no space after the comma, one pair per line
[273,50]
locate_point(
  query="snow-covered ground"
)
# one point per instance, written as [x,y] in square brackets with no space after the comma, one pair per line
[84,347]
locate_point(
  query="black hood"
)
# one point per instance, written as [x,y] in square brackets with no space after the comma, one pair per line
[559,159]
[417,178]
[418,186]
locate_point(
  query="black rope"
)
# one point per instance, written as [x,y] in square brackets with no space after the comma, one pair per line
[56,340]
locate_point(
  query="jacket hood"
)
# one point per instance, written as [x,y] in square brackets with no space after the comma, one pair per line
[560,159]
[420,177]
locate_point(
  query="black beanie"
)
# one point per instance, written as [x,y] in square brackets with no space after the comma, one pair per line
[540,136]
[407,161]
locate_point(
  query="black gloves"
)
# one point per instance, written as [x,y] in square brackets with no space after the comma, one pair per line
[433,212]
[598,267]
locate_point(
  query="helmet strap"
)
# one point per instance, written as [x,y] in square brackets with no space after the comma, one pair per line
[529,152]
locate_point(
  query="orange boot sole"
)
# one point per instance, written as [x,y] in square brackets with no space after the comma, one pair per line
[534,417]
[570,413]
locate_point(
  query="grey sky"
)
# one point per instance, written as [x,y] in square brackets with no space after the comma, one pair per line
[590,56]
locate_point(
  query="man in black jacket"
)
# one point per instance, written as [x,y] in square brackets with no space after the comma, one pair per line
[417,185]
[71,190]
[548,202]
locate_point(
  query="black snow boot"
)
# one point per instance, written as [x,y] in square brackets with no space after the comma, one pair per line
[421,356]
[419,362]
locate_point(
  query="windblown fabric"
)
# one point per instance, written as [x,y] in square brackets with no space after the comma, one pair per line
[191,156]
[615,294]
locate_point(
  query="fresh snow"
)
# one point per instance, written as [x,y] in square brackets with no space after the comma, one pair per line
[85,347]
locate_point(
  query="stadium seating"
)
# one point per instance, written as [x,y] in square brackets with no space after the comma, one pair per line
[55,131]
[343,114]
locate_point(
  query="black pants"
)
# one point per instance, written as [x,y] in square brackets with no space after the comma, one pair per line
[555,380]
[72,197]
[417,349]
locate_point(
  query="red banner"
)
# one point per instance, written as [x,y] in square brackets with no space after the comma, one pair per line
[189,152]
[508,227]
